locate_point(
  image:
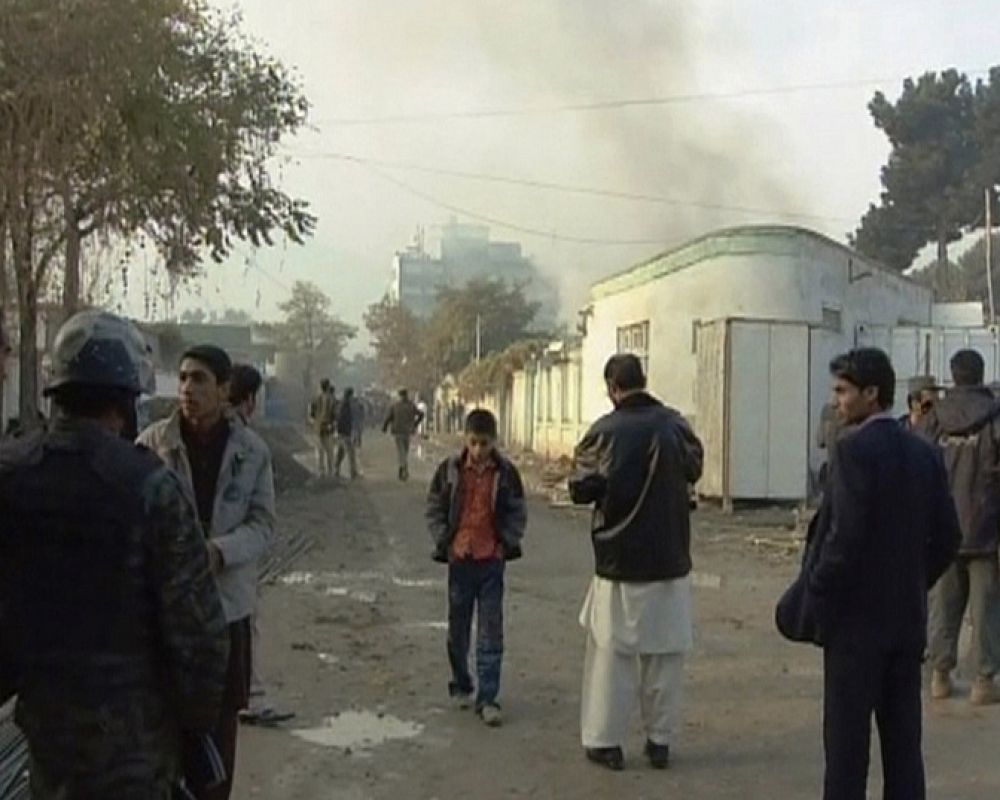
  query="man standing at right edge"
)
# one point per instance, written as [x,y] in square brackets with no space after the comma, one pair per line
[893,532]
[965,424]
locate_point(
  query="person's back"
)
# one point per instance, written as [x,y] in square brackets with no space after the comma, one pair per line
[112,633]
[648,458]
[80,620]
[965,425]
[403,416]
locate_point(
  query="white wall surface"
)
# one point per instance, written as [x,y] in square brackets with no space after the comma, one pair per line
[774,274]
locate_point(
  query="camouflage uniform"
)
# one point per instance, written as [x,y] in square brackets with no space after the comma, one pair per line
[112,630]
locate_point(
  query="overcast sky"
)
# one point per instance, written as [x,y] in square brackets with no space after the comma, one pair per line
[809,156]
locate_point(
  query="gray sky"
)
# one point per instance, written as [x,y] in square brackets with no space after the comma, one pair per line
[808,152]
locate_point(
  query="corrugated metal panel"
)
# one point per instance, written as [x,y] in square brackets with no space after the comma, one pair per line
[710,390]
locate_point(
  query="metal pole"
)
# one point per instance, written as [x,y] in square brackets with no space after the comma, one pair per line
[479,337]
[989,255]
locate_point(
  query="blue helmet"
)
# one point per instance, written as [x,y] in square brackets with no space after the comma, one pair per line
[94,348]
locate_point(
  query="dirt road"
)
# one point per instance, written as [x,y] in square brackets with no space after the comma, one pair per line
[354,642]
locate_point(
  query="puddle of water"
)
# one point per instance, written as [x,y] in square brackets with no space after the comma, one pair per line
[360,730]
[336,591]
[328,658]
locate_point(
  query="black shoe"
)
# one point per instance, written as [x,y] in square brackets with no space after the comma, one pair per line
[659,755]
[611,757]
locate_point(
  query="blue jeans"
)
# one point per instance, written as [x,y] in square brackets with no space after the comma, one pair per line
[472,585]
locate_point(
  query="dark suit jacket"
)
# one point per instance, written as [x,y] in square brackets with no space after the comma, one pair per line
[893,531]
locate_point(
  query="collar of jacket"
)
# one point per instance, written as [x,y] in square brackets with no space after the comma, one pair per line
[72,432]
[641,399]
[174,441]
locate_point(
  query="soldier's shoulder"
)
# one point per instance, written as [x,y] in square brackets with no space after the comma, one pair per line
[126,462]
[22,451]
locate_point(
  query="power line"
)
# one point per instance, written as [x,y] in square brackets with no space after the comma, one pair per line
[623,103]
[571,189]
[500,223]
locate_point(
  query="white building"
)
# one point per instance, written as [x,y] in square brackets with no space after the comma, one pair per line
[737,329]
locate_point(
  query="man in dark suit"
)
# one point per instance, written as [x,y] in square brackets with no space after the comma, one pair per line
[893,532]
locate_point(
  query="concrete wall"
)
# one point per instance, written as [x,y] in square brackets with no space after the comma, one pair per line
[540,407]
[779,273]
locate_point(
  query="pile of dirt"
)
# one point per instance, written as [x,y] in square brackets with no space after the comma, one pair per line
[286,441]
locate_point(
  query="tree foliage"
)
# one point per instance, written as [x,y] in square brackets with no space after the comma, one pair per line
[309,326]
[399,340]
[154,119]
[945,137]
[504,316]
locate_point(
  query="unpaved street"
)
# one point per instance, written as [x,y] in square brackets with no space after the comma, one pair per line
[354,642]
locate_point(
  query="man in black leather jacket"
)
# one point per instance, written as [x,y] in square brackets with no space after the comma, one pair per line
[635,466]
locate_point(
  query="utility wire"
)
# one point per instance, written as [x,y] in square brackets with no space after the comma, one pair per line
[572,189]
[500,223]
[634,102]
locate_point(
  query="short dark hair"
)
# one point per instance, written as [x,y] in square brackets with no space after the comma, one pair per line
[404,393]
[624,372]
[215,358]
[867,367]
[324,384]
[245,383]
[967,368]
[94,402]
[481,423]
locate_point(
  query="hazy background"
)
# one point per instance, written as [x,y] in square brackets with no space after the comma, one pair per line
[807,157]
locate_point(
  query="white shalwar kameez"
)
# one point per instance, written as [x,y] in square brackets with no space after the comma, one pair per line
[637,637]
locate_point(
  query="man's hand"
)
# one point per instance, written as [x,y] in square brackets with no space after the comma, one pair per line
[215,560]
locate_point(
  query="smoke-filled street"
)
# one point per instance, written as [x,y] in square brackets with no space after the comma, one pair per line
[354,642]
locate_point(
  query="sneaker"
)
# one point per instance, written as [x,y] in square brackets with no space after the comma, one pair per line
[983,692]
[941,685]
[658,754]
[491,715]
[611,757]
[462,701]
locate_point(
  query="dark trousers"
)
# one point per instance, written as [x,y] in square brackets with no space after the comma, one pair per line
[472,586]
[236,697]
[861,680]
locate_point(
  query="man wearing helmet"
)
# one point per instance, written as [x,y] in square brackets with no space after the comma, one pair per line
[112,633]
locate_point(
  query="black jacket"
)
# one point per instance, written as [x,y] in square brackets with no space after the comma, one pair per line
[112,633]
[635,466]
[891,532]
[444,506]
[345,418]
[965,424]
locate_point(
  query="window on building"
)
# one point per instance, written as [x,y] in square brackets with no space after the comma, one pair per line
[634,339]
[832,319]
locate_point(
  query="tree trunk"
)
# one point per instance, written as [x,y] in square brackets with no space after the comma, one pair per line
[942,250]
[27,308]
[71,278]
[4,286]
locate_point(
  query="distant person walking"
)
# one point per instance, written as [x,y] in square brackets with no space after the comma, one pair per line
[360,407]
[346,425]
[323,416]
[966,425]
[402,422]
[635,466]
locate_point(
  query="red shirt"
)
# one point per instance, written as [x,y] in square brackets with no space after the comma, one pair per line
[476,537]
